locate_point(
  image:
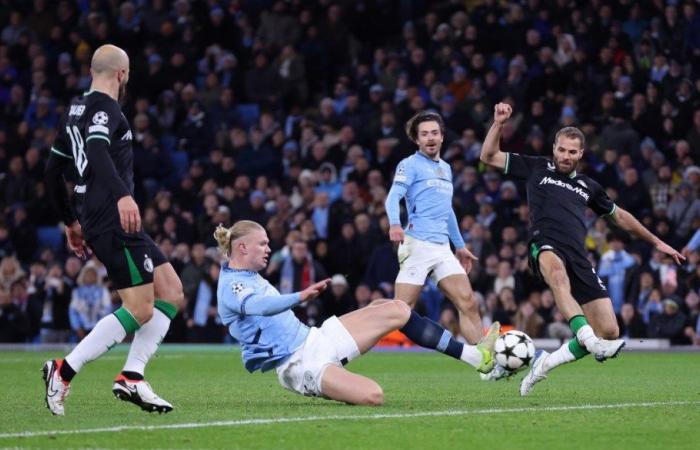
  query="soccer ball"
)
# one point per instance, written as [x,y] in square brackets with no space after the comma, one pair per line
[514,350]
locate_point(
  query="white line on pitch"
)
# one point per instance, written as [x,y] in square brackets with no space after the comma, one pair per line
[278,420]
[104,358]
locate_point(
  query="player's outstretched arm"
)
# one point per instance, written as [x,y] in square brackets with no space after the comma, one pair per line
[627,222]
[491,152]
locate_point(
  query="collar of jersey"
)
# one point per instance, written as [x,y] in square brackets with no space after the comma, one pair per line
[429,159]
[240,271]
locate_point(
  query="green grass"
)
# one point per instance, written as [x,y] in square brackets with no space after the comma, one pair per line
[209,385]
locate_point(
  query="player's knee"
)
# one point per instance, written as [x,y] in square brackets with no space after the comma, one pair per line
[557,276]
[174,294]
[466,303]
[143,314]
[400,311]
[374,397]
[609,331]
[178,297]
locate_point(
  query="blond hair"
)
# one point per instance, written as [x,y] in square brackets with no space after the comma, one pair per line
[225,236]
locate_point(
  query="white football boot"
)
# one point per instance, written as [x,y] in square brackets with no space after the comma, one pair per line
[140,393]
[535,374]
[604,349]
[56,389]
[497,373]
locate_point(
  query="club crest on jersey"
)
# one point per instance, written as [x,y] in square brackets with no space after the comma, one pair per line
[148,264]
[100,118]
[440,172]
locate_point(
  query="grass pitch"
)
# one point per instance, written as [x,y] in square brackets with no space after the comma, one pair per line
[637,401]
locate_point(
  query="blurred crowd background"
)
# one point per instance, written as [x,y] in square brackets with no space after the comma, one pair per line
[291,113]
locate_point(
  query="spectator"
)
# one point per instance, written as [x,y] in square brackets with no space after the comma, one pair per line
[14,324]
[684,208]
[338,301]
[669,324]
[629,322]
[614,264]
[90,302]
[204,324]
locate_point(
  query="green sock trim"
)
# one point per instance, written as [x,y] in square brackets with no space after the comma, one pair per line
[166,308]
[127,320]
[576,323]
[576,349]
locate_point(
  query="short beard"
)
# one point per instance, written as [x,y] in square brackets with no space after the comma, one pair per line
[121,96]
[559,169]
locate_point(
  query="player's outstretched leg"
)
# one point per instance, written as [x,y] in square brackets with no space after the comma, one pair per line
[130,385]
[429,334]
[569,352]
[108,332]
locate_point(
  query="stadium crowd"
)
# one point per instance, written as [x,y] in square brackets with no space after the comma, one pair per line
[291,113]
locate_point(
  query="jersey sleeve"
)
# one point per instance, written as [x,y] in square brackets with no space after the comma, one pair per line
[405,173]
[60,162]
[520,166]
[103,118]
[243,299]
[60,146]
[599,201]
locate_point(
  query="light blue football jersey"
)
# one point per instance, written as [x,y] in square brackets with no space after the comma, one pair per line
[259,318]
[427,186]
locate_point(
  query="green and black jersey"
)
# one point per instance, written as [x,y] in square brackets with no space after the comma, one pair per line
[95,139]
[558,202]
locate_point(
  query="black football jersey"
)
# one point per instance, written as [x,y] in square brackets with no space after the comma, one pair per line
[558,202]
[97,116]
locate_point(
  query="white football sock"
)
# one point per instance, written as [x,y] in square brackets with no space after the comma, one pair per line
[146,342]
[586,337]
[561,356]
[471,355]
[107,333]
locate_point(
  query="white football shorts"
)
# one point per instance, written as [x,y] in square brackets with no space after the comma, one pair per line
[418,259]
[331,344]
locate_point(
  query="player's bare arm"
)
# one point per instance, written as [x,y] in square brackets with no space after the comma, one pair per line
[627,222]
[314,290]
[491,152]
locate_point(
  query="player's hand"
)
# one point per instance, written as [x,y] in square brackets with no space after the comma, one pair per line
[465,258]
[76,240]
[129,215]
[396,234]
[670,251]
[314,290]
[502,112]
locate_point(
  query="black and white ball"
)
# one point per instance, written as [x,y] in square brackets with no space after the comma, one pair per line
[514,350]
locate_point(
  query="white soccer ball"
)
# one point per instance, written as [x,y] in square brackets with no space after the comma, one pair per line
[514,350]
